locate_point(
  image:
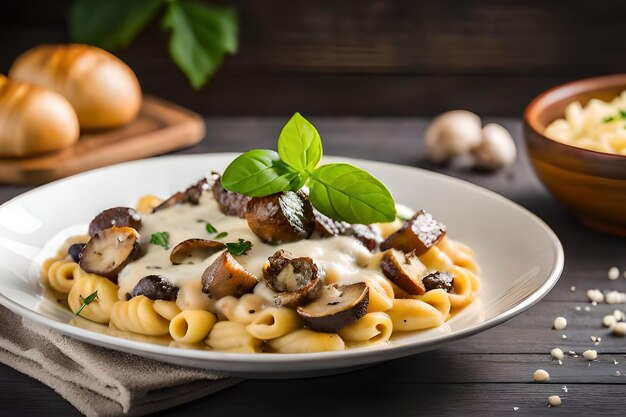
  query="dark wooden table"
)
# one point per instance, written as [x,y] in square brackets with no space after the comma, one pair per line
[487,374]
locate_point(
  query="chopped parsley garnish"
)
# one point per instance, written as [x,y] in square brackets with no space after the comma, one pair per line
[86,301]
[209,228]
[161,239]
[621,115]
[241,247]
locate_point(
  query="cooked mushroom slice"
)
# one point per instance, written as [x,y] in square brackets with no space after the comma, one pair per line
[177,198]
[75,250]
[190,195]
[404,270]
[155,287]
[296,280]
[369,237]
[439,279]
[192,251]
[116,216]
[419,233]
[327,227]
[109,251]
[229,202]
[225,276]
[194,192]
[281,217]
[336,307]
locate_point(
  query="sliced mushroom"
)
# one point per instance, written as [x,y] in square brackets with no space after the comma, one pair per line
[439,280]
[229,202]
[336,307]
[75,250]
[369,237]
[177,198]
[404,270]
[109,251]
[155,287]
[190,195]
[327,227]
[116,216]
[281,217]
[192,251]
[225,276]
[296,280]
[420,233]
[194,192]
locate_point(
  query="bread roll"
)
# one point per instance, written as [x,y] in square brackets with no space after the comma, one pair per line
[102,89]
[34,120]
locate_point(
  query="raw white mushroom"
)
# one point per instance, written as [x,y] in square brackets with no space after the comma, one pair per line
[453,133]
[497,149]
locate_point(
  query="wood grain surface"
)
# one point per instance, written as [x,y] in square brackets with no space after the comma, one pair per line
[485,375]
[401,57]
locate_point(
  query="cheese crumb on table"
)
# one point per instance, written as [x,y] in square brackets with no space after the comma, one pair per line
[554,400]
[557,353]
[609,321]
[560,323]
[541,375]
[572,288]
[590,355]
[595,295]
[615,297]
[613,273]
[620,329]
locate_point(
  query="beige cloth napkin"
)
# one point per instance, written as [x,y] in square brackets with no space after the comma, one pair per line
[99,381]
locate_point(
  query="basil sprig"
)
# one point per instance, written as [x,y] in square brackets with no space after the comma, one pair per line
[340,191]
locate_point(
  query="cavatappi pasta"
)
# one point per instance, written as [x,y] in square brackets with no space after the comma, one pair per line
[599,125]
[161,288]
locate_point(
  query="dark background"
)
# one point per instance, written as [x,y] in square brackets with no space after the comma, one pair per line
[369,57]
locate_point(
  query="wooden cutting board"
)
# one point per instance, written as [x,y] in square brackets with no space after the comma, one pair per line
[160,127]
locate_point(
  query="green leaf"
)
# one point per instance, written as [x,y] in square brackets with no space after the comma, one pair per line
[86,301]
[161,239]
[221,235]
[200,37]
[347,193]
[209,228]
[241,247]
[299,144]
[258,173]
[110,24]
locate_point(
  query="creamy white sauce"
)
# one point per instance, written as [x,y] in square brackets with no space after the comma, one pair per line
[344,259]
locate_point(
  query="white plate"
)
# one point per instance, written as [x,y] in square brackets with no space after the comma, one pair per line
[520,256]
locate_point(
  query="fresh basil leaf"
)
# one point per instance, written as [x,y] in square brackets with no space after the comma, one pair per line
[241,247]
[299,144]
[258,173]
[210,228]
[221,235]
[112,23]
[347,193]
[200,37]
[161,239]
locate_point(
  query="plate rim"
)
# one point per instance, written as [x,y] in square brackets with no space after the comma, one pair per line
[357,356]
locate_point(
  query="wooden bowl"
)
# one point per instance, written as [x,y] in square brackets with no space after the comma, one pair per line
[592,184]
